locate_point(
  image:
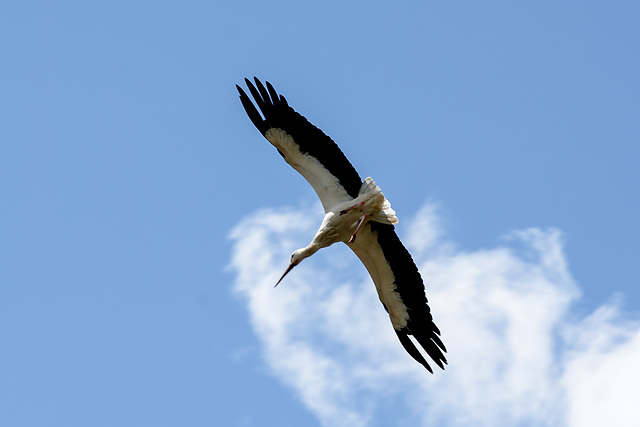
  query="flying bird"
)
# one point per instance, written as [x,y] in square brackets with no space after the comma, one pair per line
[356,213]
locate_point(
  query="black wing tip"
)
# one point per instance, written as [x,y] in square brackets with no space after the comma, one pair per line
[426,365]
[431,346]
[266,99]
[436,339]
[264,103]
[434,353]
[434,348]
[257,84]
[241,91]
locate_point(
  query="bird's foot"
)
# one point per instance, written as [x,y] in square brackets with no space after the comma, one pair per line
[353,236]
[357,205]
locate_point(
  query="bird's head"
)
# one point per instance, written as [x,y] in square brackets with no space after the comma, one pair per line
[296,257]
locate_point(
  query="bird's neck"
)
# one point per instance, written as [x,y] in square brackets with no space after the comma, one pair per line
[311,249]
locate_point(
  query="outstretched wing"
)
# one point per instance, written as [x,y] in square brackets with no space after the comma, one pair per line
[305,147]
[400,289]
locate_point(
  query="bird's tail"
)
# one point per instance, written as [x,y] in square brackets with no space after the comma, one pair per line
[385,214]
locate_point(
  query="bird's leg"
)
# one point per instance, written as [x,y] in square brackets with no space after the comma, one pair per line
[357,205]
[353,236]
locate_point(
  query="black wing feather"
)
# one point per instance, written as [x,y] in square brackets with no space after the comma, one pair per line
[410,286]
[311,140]
[252,112]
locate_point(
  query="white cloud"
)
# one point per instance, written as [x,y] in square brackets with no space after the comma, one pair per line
[516,355]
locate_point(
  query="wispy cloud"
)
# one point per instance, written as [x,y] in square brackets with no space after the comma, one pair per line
[517,354]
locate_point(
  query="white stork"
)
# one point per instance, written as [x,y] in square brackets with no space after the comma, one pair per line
[356,213]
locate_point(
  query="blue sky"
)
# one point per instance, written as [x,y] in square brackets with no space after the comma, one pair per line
[140,212]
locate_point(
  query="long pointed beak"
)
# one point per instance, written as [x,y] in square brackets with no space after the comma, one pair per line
[285,273]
